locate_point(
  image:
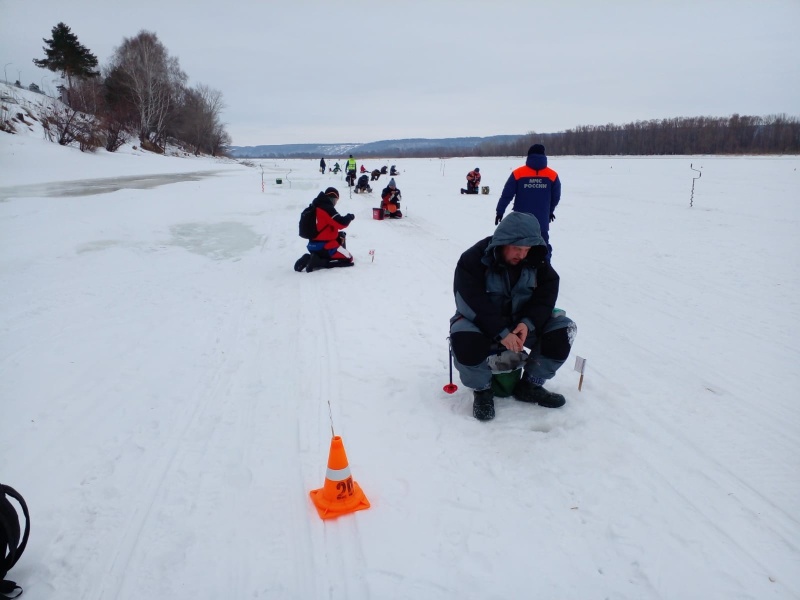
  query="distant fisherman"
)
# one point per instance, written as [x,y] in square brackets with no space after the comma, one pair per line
[322,225]
[350,171]
[473,181]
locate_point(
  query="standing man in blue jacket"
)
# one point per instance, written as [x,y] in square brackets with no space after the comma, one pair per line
[536,189]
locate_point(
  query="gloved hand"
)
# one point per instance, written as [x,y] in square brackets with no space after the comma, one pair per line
[552,217]
[350,216]
[498,218]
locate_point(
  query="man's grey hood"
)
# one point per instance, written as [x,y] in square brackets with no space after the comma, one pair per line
[516,229]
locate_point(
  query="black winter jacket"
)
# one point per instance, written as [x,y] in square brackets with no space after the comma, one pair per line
[485,290]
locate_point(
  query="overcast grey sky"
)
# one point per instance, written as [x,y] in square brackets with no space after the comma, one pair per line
[306,71]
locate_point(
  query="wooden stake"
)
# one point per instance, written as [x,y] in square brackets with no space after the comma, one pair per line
[580,366]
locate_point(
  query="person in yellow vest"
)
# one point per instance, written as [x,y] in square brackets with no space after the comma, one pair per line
[350,170]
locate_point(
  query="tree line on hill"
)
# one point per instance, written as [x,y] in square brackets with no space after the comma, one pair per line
[775,134]
[141,92]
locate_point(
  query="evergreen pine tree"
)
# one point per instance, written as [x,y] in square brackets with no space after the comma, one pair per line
[67,55]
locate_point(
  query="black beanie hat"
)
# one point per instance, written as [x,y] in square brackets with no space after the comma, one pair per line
[332,191]
[536,149]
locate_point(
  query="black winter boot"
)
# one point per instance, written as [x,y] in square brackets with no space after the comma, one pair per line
[525,391]
[483,405]
[316,262]
[302,262]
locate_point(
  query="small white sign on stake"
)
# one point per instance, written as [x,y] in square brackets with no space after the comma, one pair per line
[580,366]
[372,254]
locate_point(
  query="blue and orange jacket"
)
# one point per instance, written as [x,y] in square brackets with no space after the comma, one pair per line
[535,188]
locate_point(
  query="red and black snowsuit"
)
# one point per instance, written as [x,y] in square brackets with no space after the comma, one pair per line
[329,242]
[473,181]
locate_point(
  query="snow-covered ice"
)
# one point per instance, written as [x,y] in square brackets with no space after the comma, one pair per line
[170,384]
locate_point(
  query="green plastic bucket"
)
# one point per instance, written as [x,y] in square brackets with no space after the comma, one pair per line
[503,383]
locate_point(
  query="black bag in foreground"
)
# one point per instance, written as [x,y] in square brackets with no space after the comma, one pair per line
[11,546]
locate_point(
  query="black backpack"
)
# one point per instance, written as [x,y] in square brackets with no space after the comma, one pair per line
[11,547]
[308,222]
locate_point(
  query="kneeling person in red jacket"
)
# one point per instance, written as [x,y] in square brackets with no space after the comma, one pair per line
[473,181]
[328,248]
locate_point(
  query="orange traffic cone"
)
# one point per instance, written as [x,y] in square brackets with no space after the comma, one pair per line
[339,495]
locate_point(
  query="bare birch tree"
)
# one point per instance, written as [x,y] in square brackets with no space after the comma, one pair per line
[151,80]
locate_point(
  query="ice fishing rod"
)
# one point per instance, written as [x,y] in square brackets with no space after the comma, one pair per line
[451,387]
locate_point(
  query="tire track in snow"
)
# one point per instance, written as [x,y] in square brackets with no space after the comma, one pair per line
[286,414]
[114,581]
[343,547]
